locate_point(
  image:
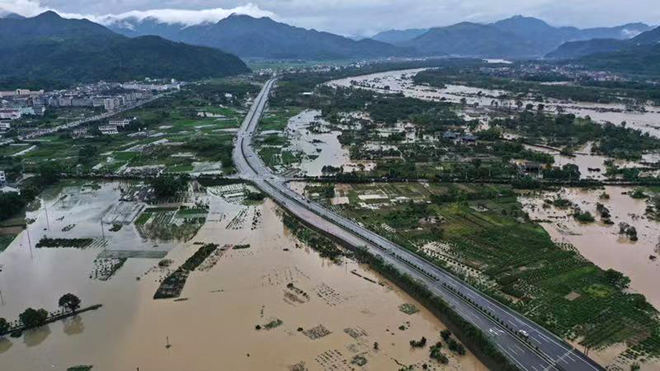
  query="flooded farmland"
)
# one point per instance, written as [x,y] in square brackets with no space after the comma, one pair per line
[602,243]
[598,242]
[319,145]
[401,82]
[593,166]
[314,314]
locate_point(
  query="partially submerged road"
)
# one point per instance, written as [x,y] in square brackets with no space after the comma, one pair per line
[529,346]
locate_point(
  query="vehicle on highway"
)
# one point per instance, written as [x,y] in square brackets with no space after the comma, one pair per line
[540,351]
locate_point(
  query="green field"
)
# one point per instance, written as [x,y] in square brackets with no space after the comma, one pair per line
[172,132]
[278,118]
[490,242]
[5,240]
[273,146]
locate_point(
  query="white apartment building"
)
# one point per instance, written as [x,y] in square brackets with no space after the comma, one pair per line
[110,104]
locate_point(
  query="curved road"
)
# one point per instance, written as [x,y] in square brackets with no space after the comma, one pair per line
[528,345]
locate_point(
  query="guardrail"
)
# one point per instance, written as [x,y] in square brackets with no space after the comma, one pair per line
[349,227]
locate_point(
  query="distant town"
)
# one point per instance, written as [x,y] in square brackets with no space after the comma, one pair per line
[101,100]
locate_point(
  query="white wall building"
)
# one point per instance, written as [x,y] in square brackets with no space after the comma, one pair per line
[108,130]
[119,123]
[10,114]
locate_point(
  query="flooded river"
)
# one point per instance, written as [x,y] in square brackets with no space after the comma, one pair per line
[346,309]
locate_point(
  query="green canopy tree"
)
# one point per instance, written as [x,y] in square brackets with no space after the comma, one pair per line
[69,302]
[4,325]
[33,317]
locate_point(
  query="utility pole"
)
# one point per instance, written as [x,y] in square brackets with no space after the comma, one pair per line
[46,208]
[27,230]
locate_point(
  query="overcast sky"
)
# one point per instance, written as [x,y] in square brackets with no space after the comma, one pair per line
[359,17]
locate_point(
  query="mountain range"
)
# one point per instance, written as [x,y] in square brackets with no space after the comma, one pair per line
[245,36]
[11,16]
[398,37]
[578,49]
[50,48]
[515,37]
[639,55]
[473,40]
[250,37]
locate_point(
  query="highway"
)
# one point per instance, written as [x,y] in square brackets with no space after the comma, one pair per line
[529,346]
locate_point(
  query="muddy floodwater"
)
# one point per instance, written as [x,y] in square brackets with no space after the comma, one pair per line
[601,243]
[593,166]
[342,309]
[320,146]
[401,82]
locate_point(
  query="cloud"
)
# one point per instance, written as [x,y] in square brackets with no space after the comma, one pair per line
[27,8]
[184,17]
[629,34]
[30,8]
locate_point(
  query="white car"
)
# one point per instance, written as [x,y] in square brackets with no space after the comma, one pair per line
[523,333]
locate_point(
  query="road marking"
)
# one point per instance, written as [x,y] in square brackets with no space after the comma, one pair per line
[543,337]
[513,358]
[351,233]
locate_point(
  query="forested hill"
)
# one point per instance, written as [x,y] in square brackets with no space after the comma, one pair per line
[637,60]
[515,37]
[578,49]
[251,37]
[639,55]
[52,49]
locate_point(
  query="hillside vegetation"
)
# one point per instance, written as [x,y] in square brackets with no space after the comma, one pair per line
[57,50]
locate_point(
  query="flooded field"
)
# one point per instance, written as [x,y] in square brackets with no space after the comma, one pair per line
[313,314]
[319,145]
[601,243]
[594,166]
[401,82]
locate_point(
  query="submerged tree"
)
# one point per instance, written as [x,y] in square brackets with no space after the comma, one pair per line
[33,317]
[69,302]
[166,186]
[4,325]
